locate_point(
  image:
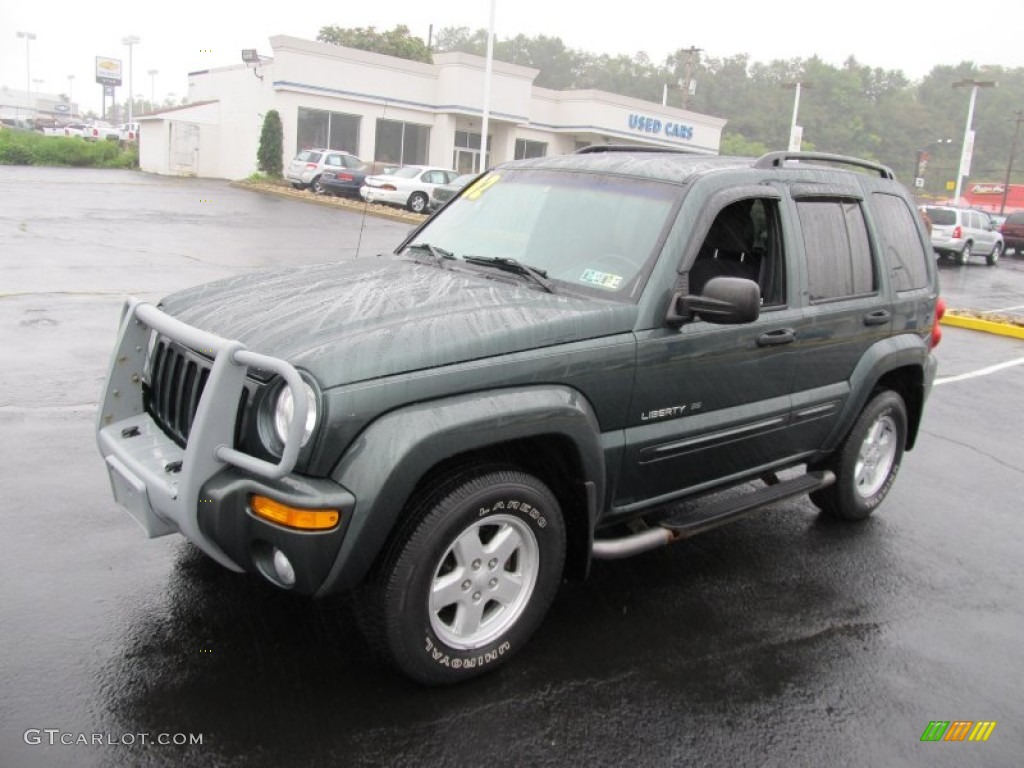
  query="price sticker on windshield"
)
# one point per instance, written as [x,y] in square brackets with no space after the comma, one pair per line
[481,185]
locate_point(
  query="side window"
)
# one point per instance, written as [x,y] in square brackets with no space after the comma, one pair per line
[433,177]
[744,241]
[837,248]
[905,253]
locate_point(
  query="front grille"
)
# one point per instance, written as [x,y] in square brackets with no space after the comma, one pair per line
[177,378]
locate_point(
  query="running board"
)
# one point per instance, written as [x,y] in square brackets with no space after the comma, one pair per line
[711,516]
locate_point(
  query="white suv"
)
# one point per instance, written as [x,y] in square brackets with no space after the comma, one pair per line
[959,232]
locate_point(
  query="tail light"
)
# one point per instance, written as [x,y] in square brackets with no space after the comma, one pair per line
[343,177]
[940,311]
[957,232]
[310,166]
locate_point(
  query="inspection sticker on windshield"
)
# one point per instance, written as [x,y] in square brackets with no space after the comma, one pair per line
[601,279]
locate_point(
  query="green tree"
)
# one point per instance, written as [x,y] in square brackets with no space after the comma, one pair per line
[270,155]
[398,42]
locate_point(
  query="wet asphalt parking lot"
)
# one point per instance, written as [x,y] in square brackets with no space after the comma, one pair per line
[780,640]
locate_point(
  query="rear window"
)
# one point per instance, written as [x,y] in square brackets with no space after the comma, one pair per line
[307,156]
[942,216]
[901,239]
[1015,218]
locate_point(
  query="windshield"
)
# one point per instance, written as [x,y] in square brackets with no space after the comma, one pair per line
[941,216]
[407,172]
[594,233]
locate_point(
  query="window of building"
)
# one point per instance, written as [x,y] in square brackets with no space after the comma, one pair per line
[526,149]
[327,130]
[902,241]
[401,143]
[838,251]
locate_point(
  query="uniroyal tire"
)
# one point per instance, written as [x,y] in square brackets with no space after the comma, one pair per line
[470,577]
[868,462]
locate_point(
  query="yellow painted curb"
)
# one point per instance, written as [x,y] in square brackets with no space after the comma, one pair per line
[974,324]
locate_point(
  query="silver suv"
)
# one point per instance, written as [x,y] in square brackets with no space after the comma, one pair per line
[959,232]
[308,166]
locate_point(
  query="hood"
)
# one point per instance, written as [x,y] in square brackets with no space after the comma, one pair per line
[359,320]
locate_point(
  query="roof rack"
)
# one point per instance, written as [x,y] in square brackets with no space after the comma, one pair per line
[595,148]
[777,159]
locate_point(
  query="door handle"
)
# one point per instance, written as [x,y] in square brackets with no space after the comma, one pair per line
[775,338]
[881,317]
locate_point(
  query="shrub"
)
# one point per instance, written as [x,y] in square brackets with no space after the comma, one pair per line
[269,156]
[18,148]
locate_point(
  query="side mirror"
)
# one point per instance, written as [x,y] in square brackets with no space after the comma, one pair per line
[725,300]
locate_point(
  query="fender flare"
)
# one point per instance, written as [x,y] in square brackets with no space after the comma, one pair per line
[905,351]
[382,466]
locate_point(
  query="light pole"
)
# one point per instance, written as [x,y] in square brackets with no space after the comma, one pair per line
[29,37]
[923,158]
[1009,165]
[968,148]
[71,96]
[795,137]
[130,41]
[152,87]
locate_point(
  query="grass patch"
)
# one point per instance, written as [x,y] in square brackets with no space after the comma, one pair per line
[29,148]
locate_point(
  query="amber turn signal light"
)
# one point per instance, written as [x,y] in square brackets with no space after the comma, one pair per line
[293,517]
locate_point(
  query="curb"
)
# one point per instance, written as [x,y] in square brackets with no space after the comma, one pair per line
[370,209]
[986,326]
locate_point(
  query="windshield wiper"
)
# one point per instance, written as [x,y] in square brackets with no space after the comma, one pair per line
[539,276]
[439,254]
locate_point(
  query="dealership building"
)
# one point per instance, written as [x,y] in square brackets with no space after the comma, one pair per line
[396,111]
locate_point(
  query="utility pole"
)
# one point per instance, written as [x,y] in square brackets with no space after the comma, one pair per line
[1009,165]
[687,84]
[968,147]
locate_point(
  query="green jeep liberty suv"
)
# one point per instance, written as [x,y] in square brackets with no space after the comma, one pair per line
[531,380]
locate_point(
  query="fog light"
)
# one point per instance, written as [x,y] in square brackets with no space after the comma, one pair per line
[283,568]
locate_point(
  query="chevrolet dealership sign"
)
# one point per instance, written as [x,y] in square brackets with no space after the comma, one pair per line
[108,71]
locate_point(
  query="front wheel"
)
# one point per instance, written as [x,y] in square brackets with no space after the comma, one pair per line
[867,463]
[992,258]
[470,578]
[418,202]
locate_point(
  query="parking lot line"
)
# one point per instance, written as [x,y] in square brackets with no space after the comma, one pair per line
[980,372]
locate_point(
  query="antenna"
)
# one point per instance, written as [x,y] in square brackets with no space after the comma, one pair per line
[366,203]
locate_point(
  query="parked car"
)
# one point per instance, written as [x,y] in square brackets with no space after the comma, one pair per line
[101,132]
[75,129]
[1012,231]
[957,233]
[128,132]
[307,167]
[343,174]
[409,186]
[528,383]
[446,192]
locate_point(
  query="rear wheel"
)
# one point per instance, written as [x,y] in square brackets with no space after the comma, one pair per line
[417,202]
[469,579]
[965,255]
[992,258]
[318,186]
[867,463]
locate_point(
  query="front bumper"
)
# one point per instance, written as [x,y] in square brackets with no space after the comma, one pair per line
[159,483]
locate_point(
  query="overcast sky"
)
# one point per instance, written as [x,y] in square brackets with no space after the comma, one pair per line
[185,35]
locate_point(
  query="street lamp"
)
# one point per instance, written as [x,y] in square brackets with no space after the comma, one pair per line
[130,41]
[968,148]
[71,82]
[152,87]
[795,136]
[29,36]
[38,81]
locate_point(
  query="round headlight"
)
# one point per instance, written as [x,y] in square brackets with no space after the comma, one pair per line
[285,411]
